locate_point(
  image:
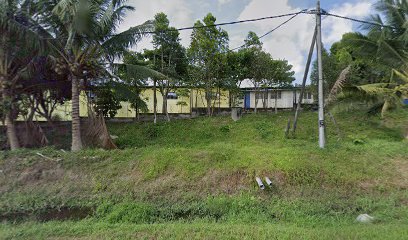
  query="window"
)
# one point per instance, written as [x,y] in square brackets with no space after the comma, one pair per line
[172,95]
[307,95]
[273,93]
[260,95]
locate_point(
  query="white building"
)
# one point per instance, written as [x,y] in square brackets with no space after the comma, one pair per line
[265,97]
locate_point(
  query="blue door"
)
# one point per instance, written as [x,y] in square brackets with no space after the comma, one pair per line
[247,100]
[405,101]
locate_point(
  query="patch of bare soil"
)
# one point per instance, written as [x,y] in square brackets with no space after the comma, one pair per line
[60,214]
[216,181]
[397,170]
[401,169]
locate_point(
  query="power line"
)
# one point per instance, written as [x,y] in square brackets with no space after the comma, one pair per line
[264,35]
[242,21]
[208,26]
[274,29]
[350,19]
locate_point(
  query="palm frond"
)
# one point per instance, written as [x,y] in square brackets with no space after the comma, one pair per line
[117,45]
[140,72]
[401,75]
[338,85]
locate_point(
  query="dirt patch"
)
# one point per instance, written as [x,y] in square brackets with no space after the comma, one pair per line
[217,181]
[400,179]
[60,214]
[396,175]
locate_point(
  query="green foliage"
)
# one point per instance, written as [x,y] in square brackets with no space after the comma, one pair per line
[379,58]
[331,71]
[225,128]
[206,56]
[106,103]
[127,212]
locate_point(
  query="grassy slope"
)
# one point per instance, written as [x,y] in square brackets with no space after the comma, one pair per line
[209,166]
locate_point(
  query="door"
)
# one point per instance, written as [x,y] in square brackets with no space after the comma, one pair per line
[247,100]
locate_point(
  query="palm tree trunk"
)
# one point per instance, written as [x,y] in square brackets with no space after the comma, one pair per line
[76,120]
[10,126]
[11,132]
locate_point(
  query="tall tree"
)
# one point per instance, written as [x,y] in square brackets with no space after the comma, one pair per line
[331,71]
[387,46]
[169,57]
[20,42]
[208,43]
[87,42]
[257,65]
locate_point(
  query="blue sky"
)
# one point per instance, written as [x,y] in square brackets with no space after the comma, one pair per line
[290,42]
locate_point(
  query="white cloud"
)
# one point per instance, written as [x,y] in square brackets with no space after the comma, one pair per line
[222,2]
[178,11]
[337,27]
[292,41]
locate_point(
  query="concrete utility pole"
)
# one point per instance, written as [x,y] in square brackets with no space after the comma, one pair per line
[322,140]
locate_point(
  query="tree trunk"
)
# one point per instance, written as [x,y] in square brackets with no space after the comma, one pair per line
[154,102]
[267,99]
[136,119]
[208,98]
[219,100]
[165,111]
[191,102]
[9,121]
[76,120]
[276,101]
[196,102]
[256,101]
[11,132]
[208,106]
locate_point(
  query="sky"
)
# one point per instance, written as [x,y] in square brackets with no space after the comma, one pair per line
[290,42]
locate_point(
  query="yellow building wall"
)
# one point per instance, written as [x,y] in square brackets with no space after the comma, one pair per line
[196,98]
[199,101]
[63,112]
[172,107]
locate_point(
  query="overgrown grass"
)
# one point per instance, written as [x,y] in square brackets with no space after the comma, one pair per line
[201,171]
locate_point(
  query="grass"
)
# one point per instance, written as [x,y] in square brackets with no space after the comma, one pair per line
[196,178]
[197,230]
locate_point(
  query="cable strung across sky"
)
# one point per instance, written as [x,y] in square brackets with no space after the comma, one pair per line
[305,11]
[292,15]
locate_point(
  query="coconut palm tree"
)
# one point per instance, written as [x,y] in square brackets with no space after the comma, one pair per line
[86,42]
[20,42]
[389,47]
